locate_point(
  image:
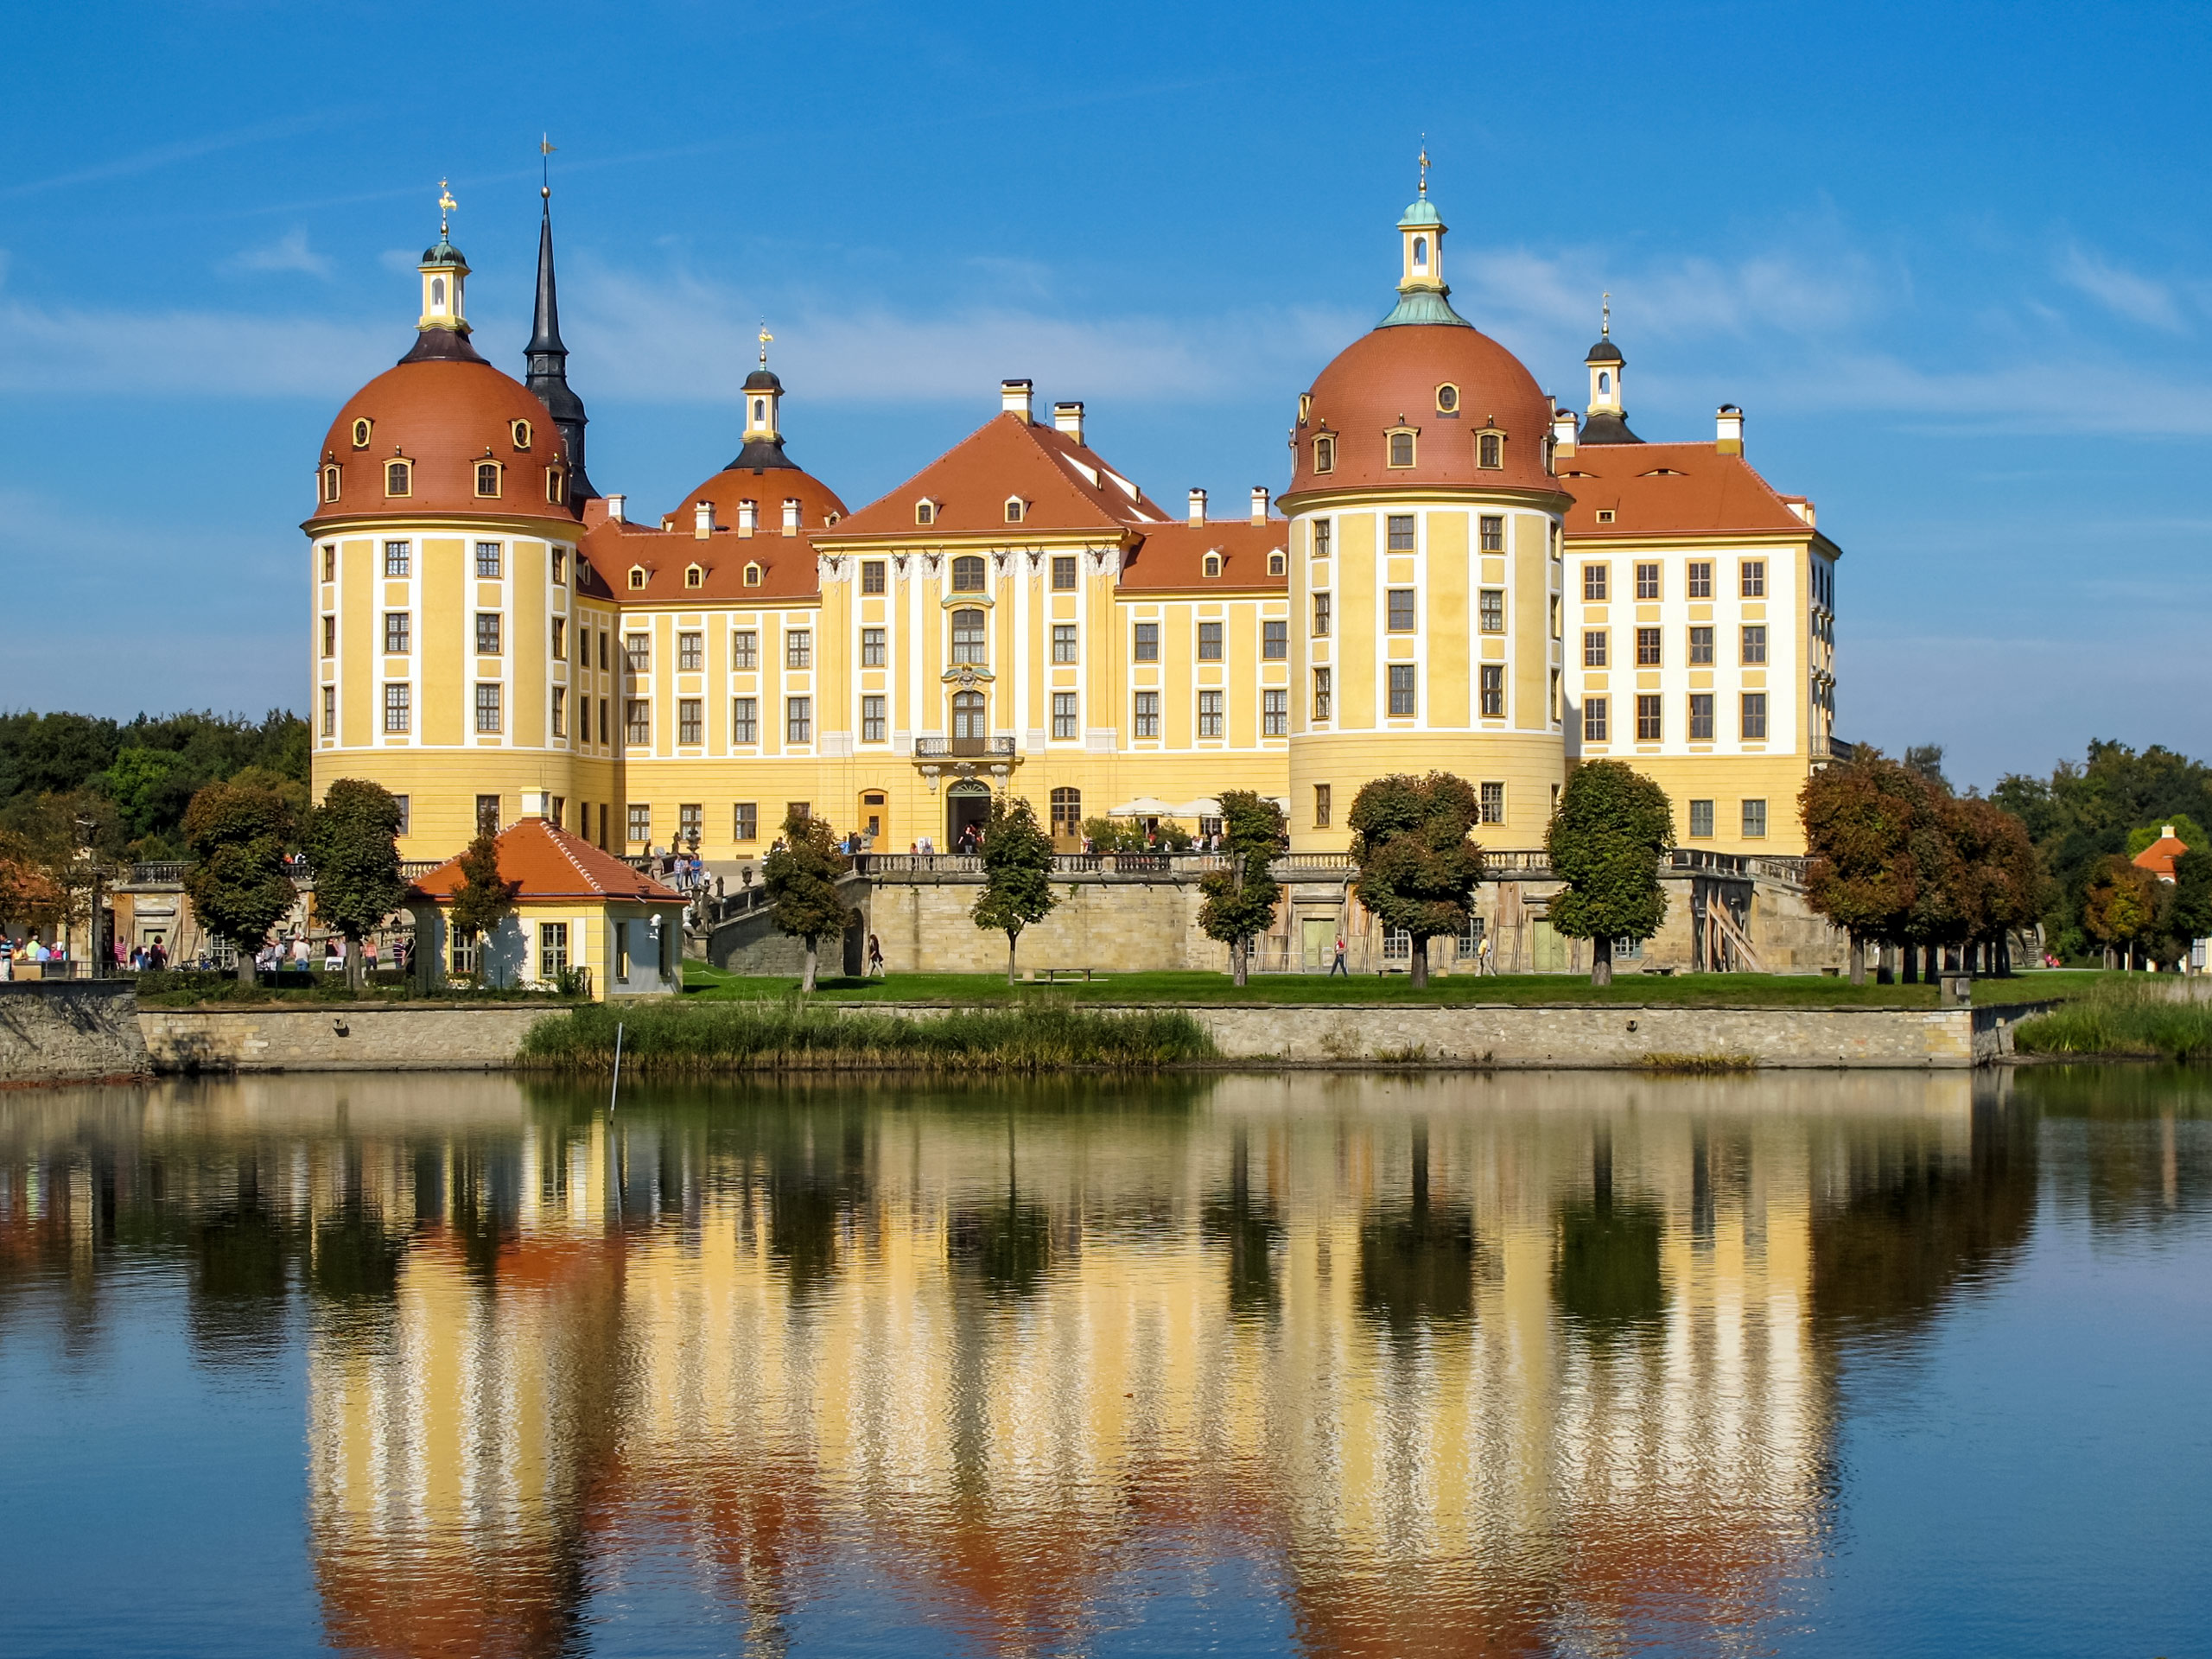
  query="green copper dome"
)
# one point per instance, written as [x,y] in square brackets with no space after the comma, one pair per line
[1423,212]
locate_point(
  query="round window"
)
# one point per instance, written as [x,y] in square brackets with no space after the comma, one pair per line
[1447,398]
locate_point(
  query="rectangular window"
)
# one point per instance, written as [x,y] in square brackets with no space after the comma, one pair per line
[690,723]
[1755,587]
[1210,713]
[1401,610]
[690,824]
[1700,820]
[1402,688]
[1493,610]
[1493,532]
[639,721]
[406,805]
[1755,716]
[488,708]
[873,650]
[1700,647]
[745,820]
[1064,716]
[560,638]
[1275,642]
[875,727]
[1648,719]
[1064,572]
[329,563]
[691,651]
[488,815]
[329,636]
[487,633]
[798,719]
[1146,645]
[1321,805]
[1647,582]
[487,561]
[1594,580]
[1321,611]
[1492,797]
[1147,715]
[1700,579]
[1321,700]
[1701,716]
[1593,720]
[1593,647]
[1321,538]
[1754,646]
[1402,532]
[744,720]
[641,823]
[560,711]
[1754,820]
[330,711]
[398,559]
[1558,618]
[603,721]
[743,649]
[1275,714]
[871,576]
[1209,642]
[552,950]
[1494,691]
[799,648]
[398,632]
[560,567]
[638,652]
[1647,647]
[1064,642]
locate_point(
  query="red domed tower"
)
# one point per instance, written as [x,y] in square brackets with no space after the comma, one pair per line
[1425,569]
[444,572]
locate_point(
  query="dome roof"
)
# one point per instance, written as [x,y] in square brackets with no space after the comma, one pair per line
[1390,377]
[444,413]
[1605,352]
[1423,212]
[768,488]
[763,379]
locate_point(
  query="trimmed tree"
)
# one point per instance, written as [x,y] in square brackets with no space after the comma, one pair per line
[353,846]
[1241,901]
[237,883]
[1605,841]
[484,898]
[1418,865]
[1017,874]
[1859,816]
[801,878]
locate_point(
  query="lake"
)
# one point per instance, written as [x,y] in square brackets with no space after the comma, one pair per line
[1527,1364]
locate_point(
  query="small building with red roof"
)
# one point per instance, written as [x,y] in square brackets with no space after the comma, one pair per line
[2158,857]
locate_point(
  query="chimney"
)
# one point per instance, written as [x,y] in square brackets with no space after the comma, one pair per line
[534,803]
[1198,507]
[2166,832]
[1259,503]
[748,517]
[702,519]
[1563,432]
[614,506]
[1014,398]
[1730,431]
[790,515]
[1068,418]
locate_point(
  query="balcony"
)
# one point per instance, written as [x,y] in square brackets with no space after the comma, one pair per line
[1832,748]
[963,748]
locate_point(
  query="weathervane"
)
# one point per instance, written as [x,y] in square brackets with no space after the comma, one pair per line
[1424,164]
[765,338]
[545,149]
[1605,315]
[445,205]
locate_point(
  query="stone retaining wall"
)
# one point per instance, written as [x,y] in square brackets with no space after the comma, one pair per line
[335,1038]
[64,1031]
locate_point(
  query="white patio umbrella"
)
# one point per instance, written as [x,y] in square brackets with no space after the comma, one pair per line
[1146,806]
[1204,807]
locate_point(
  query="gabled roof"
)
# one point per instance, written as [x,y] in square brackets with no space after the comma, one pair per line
[1661,489]
[2158,857]
[549,863]
[1063,486]
[787,566]
[1173,557]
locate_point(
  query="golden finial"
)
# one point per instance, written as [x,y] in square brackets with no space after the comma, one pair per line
[1606,315]
[545,149]
[1424,164]
[445,205]
[765,338]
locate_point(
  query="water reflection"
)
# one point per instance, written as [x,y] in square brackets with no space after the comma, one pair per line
[1448,1365]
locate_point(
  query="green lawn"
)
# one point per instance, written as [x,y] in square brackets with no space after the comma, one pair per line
[1188,989]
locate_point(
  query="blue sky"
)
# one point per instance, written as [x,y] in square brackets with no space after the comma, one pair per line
[1951,260]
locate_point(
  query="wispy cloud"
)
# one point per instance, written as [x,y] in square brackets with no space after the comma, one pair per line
[146,160]
[288,252]
[2124,293]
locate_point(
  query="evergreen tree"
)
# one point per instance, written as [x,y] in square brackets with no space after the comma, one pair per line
[1418,865]
[1241,901]
[238,884]
[1017,874]
[352,844]
[1604,840]
[800,873]
[484,898]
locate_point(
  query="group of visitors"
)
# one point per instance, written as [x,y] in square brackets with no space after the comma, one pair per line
[685,872]
[153,955]
[29,947]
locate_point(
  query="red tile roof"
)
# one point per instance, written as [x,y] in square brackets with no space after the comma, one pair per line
[550,863]
[2158,857]
[1063,486]
[787,567]
[1173,556]
[1662,489]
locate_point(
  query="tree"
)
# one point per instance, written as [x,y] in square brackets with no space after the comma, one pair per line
[1605,841]
[2186,830]
[1017,874]
[1418,865]
[2008,872]
[2121,905]
[352,844]
[2187,916]
[238,884]
[1241,901]
[28,893]
[1858,817]
[484,898]
[800,873]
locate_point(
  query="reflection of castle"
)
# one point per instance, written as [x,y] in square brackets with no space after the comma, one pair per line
[1457,1364]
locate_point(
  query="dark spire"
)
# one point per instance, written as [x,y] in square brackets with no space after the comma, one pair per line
[547,363]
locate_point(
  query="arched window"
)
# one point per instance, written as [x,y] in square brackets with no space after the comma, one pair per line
[522,434]
[437,293]
[361,430]
[1420,253]
[968,573]
[330,476]
[1401,449]
[925,512]
[1014,509]
[637,576]
[969,646]
[487,478]
[752,576]
[1447,398]
[398,477]
[1490,449]
[1604,380]
[967,715]
[1210,565]
[694,577]
[1325,455]
[759,411]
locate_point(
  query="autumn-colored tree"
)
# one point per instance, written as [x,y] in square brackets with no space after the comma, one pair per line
[2009,887]
[1858,817]
[28,893]
[801,874]
[1605,842]
[1241,901]
[1418,864]
[2121,906]
[1017,872]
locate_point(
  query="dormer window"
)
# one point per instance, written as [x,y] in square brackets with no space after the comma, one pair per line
[522,434]
[1490,449]
[831,519]
[1014,509]
[1305,407]
[1401,447]
[487,478]
[361,430]
[637,577]
[1325,455]
[557,488]
[694,577]
[1210,565]
[399,478]
[1605,515]
[330,477]
[1278,565]
[925,512]
[752,576]
[1447,399]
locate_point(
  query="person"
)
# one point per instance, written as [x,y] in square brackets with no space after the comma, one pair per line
[876,958]
[369,956]
[158,957]
[333,961]
[402,954]
[7,959]
[1337,965]
[1482,957]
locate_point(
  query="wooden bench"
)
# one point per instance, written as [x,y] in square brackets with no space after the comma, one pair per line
[1050,974]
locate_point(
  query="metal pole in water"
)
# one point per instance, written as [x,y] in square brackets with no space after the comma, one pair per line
[617,1089]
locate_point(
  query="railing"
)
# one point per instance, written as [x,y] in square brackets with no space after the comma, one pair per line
[1690,858]
[158,872]
[412,869]
[963,748]
[1833,748]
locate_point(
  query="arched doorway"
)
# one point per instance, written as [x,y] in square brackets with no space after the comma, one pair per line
[966,803]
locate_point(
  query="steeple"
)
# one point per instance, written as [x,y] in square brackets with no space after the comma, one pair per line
[546,360]
[764,429]
[1606,418]
[1422,296]
[442,331]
